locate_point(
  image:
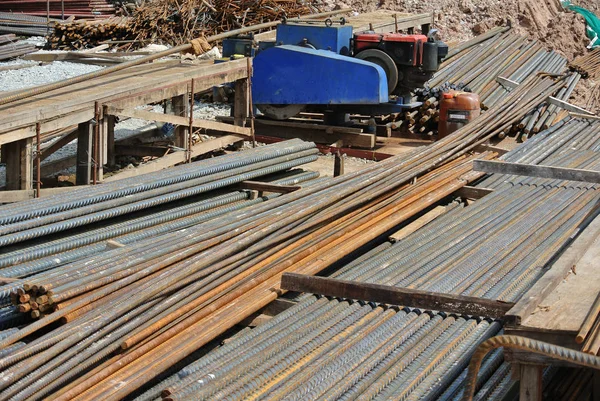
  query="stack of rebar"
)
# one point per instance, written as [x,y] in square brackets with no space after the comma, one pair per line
[162,298]
[12,50]
[546,114]
[587,65]
[23,24]
[59,8]
[476,65]
[326,348]
[506,55]
[589,334]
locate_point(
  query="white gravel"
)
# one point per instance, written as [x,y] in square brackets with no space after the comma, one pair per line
[38,41]
[39,75]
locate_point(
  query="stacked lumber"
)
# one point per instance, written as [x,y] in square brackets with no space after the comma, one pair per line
[60,8]
[8,49]
[83,34]
[587,65]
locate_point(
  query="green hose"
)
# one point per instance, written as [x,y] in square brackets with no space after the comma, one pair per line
[592,22]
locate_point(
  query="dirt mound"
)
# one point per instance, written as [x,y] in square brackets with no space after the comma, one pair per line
[459,20]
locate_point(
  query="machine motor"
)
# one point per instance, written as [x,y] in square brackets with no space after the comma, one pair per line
[408,60]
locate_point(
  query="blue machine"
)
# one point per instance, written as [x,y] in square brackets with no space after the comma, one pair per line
[311,65]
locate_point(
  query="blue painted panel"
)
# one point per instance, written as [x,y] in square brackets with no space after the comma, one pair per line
[334,38]
[298,75]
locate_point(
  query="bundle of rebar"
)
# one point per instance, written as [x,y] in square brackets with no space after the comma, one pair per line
[587,65]
[546,114]
[476,65]
[12,50]
[167,296]
[339,349]
[589,333]
[61,9]
[506,55]
[23,24]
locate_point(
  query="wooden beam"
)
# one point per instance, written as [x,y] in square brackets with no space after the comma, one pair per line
[269,187]
[469,192]
[19,164]
[567,106]
[529,170]
[241,103]
[395,296]
[531,383]
[84,154]
[141,150]
[490,148]
[178,120]
[56,145]
[324,134]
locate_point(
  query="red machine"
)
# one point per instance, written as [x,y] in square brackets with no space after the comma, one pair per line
[408,60]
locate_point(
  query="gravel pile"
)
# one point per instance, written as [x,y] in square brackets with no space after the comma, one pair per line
[12,80]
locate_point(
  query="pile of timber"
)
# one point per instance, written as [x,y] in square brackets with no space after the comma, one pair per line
[9,49]
[163,22]
[60,8]
[587,65]
[89,33]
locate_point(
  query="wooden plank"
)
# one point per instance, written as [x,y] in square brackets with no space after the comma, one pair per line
[141,150]
[56,145]
[129,87]
[180,111]
[469,192]
[11,157]
[177,157]
[490,148]
[395,296]
[84,153]
[26,163]
[531,383]
[177,120]
[567,106]
[529,170]
[269,187]
[241,103]
[311,132]
[555,275]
